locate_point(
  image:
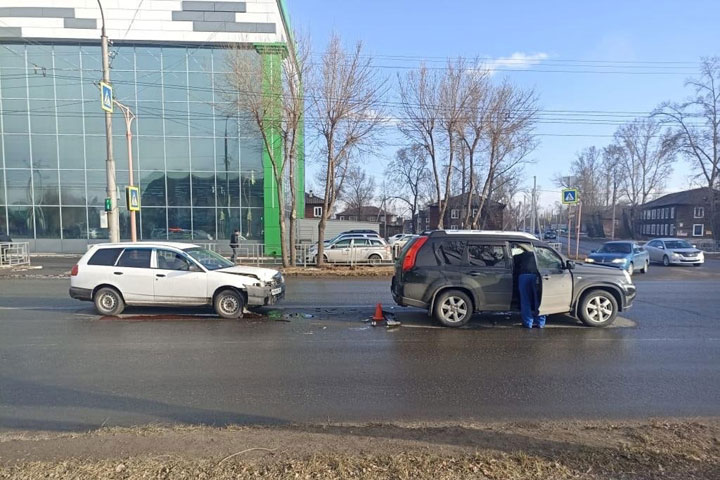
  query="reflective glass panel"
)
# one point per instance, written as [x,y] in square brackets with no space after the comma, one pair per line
[21,222]
[19,187]
[74,222]
[47,188]
[152,189]
[47,222]
[17,151]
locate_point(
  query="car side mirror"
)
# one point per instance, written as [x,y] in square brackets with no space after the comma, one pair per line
[593,251]
[694,245]
[570,265]
[661,247]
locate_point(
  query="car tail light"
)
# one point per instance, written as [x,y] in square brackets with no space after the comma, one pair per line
[411,255]
[74,271]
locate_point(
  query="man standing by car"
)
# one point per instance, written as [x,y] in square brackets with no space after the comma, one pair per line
[528,288]
[234,243]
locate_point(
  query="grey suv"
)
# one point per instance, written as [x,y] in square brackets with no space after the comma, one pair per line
[454,274]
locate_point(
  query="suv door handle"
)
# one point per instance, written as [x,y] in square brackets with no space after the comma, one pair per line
[159,274]
[118,273]
[475,274]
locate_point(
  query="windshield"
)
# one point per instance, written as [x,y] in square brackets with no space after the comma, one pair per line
[616,248]
[208,259]
[672,244]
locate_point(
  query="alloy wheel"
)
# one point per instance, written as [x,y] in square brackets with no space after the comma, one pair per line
[599,309]
[454,309]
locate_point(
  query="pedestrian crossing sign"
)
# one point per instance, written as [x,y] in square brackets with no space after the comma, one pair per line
[132,198]
[570,196]
[106,97]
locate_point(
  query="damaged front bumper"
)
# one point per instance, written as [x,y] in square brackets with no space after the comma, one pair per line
[267,295]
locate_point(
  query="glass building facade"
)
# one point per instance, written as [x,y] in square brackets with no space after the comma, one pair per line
[197,160]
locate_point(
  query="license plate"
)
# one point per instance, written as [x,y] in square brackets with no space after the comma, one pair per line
[276,291]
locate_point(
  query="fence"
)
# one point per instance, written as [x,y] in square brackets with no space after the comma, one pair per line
[351,256]
[707,245]
[14,253]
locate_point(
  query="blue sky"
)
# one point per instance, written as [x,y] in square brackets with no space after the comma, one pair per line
[577,45]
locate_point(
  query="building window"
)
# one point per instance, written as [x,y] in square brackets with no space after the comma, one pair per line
[454,213]
[474,211]
[666,229]
[672,212]
[652,229]
[427,220]
[699,212]
[672,230]
[698,229]
[453,227]
[317,212]
[653,214]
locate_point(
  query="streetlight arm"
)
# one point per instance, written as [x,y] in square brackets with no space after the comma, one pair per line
[102,17]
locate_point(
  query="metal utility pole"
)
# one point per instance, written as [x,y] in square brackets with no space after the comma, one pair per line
[113,214]
[533,205]
[129,117]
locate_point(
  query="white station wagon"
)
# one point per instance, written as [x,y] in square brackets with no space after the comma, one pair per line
[114,275]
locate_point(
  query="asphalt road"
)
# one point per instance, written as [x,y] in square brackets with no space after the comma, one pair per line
[62,367]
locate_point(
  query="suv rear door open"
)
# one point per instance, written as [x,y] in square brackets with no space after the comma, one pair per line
[557,281]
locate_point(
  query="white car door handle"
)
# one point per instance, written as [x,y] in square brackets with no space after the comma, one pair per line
[118,273]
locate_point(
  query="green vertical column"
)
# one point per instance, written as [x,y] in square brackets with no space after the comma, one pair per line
[272,58]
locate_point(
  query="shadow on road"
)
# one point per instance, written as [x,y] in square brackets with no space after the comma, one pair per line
[23,393]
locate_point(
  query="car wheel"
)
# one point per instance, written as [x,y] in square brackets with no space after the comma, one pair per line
[631,268]
[646,267]
[229,304]
[108,301]
[666,261]
[375,258]
[697,264]
[598,308]
[453,308]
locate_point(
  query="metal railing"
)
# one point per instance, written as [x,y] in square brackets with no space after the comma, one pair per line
[14,253]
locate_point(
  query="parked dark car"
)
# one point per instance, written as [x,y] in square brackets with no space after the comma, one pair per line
[454,274]
[550,235]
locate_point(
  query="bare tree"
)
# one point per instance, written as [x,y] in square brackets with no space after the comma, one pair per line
[697,122]
[359,189]
[454,99]
[645,157]
[347,106]
[419,96]
[612,155]
[409,175]
[292,128]
[471,133]
[512,113]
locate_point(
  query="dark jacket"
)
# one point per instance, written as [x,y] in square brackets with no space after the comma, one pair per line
[525,263]
[235,239]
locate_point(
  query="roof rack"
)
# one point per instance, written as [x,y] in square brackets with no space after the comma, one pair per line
[529,236]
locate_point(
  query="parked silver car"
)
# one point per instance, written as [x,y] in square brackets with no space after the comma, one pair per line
[355,250]
[674,251]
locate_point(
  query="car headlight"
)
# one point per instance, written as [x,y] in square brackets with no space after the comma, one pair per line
[589,260]
[619,260]
[628,278]
[675,255]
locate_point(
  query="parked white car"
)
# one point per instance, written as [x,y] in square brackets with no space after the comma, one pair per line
[399,240]
[170,274]
[354,250]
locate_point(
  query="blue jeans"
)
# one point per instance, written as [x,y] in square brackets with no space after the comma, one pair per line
[530,300]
